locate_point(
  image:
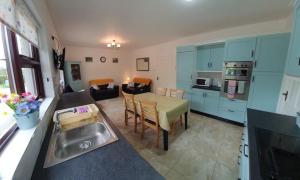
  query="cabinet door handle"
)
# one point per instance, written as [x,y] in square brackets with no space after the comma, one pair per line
[230,110]
[240,148]
[246,155]
[252,53]
[238,161]
[285,95]
[253,78]
[191,76]
[299,61]
[255,63]
[208,64]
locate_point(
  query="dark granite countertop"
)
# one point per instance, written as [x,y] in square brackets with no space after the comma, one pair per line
[270,121]
[114,161]
[212,88]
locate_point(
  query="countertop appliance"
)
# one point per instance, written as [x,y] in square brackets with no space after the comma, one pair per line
[204,82]
[239,74]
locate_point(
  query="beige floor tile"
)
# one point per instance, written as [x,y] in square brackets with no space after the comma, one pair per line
[207,149]
[222,172]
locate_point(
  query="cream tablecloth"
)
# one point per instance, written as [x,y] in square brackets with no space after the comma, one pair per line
[169,108]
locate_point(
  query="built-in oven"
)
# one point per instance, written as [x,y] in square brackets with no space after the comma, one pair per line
[236,79]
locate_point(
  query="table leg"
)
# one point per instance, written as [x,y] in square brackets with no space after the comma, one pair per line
[165,134]
[186,120]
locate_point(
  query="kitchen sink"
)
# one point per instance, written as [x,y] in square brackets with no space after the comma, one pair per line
[65,145]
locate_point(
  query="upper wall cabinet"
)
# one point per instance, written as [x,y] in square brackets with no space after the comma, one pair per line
[293,61]
[210,57]
[271,52]
[240,49]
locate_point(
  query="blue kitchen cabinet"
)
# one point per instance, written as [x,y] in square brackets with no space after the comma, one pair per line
[233,109]
[211,102]
[240,49]
[217,57]
[271,52]
[264,91]
[185,61]
[210,57]
[198,100]
[205,101]
[203,58]
[73,75]
[293,60]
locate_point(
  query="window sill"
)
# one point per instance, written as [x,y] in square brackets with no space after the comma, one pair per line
[15,148]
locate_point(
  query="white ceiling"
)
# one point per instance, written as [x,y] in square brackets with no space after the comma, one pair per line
[140,23]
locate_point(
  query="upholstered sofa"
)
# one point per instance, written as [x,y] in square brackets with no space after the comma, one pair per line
[141,85]
[99,89]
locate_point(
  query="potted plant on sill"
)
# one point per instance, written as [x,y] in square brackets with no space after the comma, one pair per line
[25,107]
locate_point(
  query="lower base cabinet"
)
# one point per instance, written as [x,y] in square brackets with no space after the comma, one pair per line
[233,109]
[243,158]
[205,101]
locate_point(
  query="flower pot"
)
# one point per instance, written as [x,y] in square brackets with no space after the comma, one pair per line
[27,121]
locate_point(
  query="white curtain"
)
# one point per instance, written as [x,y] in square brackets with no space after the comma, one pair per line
[15,14]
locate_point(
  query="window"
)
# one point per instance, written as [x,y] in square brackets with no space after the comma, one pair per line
[20,72]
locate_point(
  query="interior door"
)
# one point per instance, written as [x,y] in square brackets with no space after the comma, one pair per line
[289,100]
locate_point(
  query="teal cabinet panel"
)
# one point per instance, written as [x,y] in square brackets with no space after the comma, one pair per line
[231,114]
[184,85]
[203,58]
[185,48]
[293,61]
[211,102]
[271,52]
[264,91]
[240,49]
[185,66]
[217,57]
[197,100]
[234,104]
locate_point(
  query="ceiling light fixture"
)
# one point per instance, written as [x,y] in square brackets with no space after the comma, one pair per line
[114,45]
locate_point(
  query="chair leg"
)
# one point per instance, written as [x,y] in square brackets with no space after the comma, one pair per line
[181,123]
[143,129]
[126,118]
[135,123]
[157,138]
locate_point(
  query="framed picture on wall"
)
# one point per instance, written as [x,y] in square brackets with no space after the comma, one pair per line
[142,64]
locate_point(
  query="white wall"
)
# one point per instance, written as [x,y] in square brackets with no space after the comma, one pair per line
[163,56]
[97,69]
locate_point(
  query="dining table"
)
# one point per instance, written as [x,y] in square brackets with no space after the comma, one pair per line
[169,110]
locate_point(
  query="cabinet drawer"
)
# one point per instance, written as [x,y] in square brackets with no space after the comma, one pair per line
[234,115]
[233,104]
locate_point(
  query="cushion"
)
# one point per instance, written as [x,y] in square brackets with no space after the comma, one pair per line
[100,81]
[141,85]
[111,85]
[130,84]
[146,81]
[103,86]
[94,86]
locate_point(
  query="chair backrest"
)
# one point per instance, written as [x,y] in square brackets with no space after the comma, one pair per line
[149,112]
[129,102]
[100,81]
[145,81]
[161,91]
[178,93]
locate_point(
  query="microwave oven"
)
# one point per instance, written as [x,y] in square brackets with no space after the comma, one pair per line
[203,82]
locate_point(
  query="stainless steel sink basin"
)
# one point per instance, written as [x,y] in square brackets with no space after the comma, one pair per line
[68,144]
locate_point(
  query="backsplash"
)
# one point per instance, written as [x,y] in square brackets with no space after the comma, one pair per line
[216,76]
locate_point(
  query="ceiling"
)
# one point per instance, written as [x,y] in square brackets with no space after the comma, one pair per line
[141,23]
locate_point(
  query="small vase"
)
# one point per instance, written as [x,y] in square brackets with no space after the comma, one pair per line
[27,121]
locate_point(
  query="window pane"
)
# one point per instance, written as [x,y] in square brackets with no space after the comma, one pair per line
[24,47]
[2,55]
[29,80]
[4,83]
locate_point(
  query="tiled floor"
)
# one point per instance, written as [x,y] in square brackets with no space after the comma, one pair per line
[208,150]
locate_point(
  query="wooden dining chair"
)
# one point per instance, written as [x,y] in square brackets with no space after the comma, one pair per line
[176,93]
[130,108]
[149,118]
[161,91]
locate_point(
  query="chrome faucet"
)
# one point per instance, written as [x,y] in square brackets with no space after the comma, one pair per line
[57,122]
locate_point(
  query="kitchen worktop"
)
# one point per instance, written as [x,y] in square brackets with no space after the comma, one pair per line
[212,88]
[114,161]
[277,123]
